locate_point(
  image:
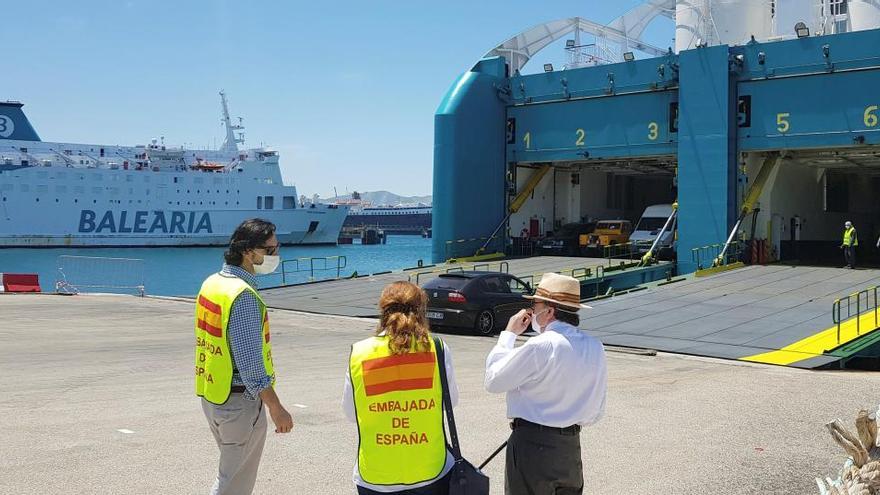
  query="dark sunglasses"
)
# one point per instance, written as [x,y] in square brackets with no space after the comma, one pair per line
[270,250]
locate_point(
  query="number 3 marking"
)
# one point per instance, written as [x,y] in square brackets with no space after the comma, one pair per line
[782,123]
[7,126]
[580,137]
[653,131]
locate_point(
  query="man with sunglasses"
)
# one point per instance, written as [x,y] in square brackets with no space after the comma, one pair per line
[234,372]
[555,384]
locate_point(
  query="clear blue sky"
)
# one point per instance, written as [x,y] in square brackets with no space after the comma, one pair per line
[346,90]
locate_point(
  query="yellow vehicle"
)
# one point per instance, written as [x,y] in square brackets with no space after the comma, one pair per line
[607,233]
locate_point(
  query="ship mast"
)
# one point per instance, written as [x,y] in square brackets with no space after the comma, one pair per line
[231,143]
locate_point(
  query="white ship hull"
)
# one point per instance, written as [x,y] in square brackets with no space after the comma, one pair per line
[84,195]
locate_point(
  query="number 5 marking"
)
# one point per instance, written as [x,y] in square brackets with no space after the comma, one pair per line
[782,123]
[527,138]
[580,137]
[871,119]
[653,131]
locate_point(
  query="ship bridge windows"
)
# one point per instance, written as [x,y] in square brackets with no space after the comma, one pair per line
[259,202]
[269,203]
[288,203]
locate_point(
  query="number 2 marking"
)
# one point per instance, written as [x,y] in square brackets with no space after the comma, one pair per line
[580,137]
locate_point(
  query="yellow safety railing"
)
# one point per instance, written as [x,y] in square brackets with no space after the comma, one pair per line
[863,301]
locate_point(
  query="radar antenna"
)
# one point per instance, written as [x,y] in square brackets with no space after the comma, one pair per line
[231,143]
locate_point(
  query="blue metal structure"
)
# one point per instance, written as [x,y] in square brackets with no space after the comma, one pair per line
[701,108]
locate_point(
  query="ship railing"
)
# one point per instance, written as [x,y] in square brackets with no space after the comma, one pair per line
[623,251]
[320,264]
[78,274]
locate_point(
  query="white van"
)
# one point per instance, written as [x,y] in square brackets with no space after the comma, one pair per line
[653,219]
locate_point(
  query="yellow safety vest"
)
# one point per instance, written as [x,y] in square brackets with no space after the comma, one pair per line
[849,236]
[399,405]
[213,360]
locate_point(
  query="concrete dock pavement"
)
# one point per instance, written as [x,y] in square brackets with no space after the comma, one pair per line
[97,397]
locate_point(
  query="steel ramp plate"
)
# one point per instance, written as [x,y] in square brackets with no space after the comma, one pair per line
[771,314]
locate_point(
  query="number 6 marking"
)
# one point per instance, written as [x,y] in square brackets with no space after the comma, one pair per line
[871,119]
[580,137]
[782,123]
[653,131]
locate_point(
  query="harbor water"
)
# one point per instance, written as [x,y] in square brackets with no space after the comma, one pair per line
[180,271]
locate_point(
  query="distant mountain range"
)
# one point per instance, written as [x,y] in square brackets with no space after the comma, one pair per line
[382,198]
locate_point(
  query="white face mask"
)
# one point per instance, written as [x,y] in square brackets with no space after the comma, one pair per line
[535,326]
[270,263]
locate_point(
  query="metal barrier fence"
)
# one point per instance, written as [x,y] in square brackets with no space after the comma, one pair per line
[86,273]
[862,305]
[627,250]
[503,266]
[705,256]
[311,265]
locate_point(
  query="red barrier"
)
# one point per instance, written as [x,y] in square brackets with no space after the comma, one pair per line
[21,282]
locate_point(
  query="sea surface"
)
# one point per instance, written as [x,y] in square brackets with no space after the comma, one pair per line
[180,271]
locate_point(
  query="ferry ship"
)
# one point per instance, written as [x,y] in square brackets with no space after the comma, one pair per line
[396,219]
[55,194]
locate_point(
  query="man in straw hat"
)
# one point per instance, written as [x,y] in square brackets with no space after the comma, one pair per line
[555,384]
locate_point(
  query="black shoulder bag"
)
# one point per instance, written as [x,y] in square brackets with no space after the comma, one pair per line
[464,479]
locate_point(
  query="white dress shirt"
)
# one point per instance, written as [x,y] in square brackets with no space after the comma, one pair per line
[348,408]
[557,378]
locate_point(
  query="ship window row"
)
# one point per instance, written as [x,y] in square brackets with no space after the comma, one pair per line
[42,188]
[98,177]
[268,202]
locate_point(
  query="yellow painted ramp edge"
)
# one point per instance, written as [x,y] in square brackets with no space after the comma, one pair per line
[816,345]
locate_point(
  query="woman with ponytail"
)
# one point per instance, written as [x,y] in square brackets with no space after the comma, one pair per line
[393,392]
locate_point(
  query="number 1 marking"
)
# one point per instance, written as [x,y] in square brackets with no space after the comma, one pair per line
[527,138]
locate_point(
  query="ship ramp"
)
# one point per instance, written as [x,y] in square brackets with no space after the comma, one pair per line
[359,296]
[775,314]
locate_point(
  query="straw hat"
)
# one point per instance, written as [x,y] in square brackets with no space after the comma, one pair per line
[559,289]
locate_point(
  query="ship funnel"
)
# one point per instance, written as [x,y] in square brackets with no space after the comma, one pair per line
[14,124]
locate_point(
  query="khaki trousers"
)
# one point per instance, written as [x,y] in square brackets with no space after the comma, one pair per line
[239,427]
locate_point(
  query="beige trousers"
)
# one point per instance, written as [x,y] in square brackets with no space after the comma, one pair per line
[239,427]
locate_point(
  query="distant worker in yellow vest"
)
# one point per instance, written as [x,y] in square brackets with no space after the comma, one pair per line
[850,243]
[393,392]
[234,371]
